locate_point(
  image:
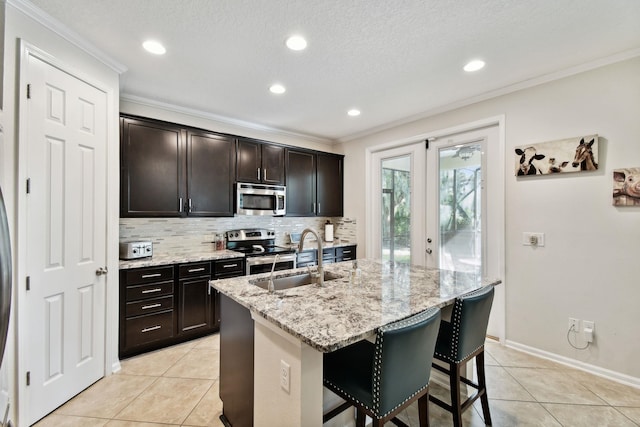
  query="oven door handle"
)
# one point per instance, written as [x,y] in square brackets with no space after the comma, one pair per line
[259,260]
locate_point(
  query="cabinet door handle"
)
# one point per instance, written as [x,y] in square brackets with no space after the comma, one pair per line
[229,265]
[147,307]
[180,205]
[318,208]
[258,174]
[195,270]
[265,174]
[151,291]
[153,328]
[314,208]
[148,276]
[190,205]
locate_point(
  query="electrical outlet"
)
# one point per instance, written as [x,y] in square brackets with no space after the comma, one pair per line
[532,239]
[285,374]
[574,325]
[589,327]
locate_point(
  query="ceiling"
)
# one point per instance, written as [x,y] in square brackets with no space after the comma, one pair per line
[393,60]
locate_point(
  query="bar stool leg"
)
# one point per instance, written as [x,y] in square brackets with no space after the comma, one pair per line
[482,388]
[454,384]
[423,410]
[360,418]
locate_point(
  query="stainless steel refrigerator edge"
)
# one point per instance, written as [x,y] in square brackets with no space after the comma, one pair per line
[5,287]
[5,277]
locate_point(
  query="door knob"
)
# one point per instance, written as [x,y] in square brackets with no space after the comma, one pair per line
[101,271]
[429,240]
[429,251]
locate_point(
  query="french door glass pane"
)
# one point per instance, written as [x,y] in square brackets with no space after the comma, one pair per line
[460,208]
[396,209]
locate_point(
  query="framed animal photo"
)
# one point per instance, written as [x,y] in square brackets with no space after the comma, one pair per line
[626,187]
[564,155]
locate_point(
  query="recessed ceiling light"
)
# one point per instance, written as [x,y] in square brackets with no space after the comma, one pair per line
[154,47]
[474,65]
[353,112]
[296,43]
[277,88]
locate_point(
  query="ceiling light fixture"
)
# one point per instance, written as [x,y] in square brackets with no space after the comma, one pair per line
[474,65]
[296,43]
[353,112]
[277,89]
[154,47]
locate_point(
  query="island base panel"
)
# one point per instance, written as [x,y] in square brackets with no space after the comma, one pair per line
[236,363]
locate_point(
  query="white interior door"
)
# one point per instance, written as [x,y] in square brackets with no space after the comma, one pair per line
[465,209]
[64,334]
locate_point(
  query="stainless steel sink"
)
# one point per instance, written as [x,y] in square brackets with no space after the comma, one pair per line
[288,282]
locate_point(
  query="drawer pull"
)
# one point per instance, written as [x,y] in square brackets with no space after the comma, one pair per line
[346,252]
[147,307]
[153,328]
[151,291]
[195,270]
[229,265]
[148,276]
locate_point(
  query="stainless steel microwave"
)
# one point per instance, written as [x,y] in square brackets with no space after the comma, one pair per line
[260,199]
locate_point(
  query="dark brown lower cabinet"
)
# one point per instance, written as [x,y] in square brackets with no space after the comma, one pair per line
[165,305]
[195,312]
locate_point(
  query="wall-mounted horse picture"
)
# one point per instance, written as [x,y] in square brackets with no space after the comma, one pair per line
[561,156]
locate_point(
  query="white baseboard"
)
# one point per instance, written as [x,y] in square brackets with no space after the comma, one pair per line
[115,367]
[586,367]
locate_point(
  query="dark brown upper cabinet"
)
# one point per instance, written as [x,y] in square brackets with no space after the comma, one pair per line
[259,162]
[169,170]
[210,172]
[152,169]
[329,184]
[314,183]
[301,183]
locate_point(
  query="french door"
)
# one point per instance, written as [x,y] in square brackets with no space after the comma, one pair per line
[455,192]
[442,206]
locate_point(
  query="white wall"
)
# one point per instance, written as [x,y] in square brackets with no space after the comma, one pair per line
[588,267]
[19,25]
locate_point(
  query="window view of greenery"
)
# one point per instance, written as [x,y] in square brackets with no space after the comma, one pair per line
[460,217]
[396,215]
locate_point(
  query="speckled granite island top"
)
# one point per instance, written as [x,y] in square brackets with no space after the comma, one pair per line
[179,258]
[338,314]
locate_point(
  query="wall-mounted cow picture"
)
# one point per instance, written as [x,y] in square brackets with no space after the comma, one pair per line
[626,187]
[564,155]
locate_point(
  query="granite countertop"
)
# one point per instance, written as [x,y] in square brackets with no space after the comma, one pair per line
[179,257]
[338,314]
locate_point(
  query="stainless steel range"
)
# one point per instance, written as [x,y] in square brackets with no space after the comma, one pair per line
[258,246]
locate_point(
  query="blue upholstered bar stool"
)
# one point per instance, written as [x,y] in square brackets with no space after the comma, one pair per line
[459,341]
[382,379]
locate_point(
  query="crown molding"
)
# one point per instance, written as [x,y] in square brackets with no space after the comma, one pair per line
[525,84]
[134,99]
[63,31]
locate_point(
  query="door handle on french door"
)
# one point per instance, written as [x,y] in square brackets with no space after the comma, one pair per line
[101,271]
[429,251]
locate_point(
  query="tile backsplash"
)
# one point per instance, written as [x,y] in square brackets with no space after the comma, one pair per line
[185,234]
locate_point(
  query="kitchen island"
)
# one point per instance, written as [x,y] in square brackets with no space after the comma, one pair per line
[292,328]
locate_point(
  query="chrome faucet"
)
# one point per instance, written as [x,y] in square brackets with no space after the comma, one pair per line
[271,286]
[319,240]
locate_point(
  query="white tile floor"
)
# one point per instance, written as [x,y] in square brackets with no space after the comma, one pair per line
[178,386]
